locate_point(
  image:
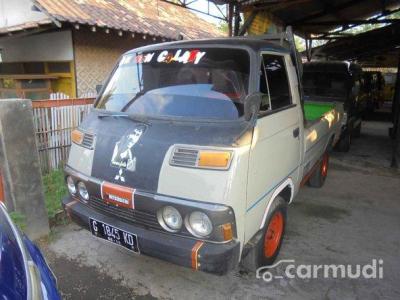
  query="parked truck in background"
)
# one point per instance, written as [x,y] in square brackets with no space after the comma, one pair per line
[195,149]
[337,82]
[373,85]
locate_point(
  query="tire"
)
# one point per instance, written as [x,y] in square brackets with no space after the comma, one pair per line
[344,143]
[317,179]
[272,234]
[357,131]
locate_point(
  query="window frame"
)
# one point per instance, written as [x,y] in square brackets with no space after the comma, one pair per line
[271,110]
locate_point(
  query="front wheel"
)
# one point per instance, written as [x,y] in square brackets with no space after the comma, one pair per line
[317,179]
[273,233]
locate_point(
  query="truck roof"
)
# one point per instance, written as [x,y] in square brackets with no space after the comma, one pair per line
[331,66]
[255,44]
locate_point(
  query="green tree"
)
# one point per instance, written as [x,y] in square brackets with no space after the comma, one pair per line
[223,26]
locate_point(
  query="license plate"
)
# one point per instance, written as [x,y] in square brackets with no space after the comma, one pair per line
[114,235]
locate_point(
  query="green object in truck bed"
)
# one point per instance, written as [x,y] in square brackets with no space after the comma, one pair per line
[314,110]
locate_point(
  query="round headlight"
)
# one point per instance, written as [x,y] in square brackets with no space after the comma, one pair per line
[71,185]
[83,191]
[199,224]
[170,219]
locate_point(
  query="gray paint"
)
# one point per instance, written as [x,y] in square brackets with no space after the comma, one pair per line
[19,162]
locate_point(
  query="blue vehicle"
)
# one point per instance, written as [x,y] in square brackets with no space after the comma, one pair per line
[24,273]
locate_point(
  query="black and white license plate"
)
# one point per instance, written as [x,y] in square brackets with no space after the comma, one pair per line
[114,235]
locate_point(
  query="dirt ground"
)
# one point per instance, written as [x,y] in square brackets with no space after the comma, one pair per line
[353,219]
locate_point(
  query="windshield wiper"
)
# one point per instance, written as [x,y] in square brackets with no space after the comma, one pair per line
[129,117]
[139,94]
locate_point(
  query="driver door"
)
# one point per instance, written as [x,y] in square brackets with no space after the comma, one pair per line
[275,153]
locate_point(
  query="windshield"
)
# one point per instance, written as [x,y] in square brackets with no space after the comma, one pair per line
[209,83]
[324,84]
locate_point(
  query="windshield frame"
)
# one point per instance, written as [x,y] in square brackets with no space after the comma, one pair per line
[172,46]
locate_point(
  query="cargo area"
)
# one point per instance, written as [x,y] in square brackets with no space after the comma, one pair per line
[315,110]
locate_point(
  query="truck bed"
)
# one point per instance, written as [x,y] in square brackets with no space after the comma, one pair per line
[323,121]
[315,110]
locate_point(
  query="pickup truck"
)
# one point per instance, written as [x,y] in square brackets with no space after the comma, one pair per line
[325,82]
[195,149]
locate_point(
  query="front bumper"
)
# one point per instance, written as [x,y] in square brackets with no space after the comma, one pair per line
[217,258]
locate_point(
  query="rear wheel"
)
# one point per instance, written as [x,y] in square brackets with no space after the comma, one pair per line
[357,131]
[344,143]
[317,179]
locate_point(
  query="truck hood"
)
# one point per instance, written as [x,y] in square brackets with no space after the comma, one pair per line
[131,152]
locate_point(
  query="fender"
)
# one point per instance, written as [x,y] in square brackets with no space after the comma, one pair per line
[278,190]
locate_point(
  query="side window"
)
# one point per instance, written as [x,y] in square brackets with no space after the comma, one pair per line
[277,81]
[265,99]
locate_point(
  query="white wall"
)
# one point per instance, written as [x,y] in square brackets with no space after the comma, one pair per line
[15,12]
[54,46]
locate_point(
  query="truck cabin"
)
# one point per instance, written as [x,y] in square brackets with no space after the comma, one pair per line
[174,139]
[328,81]
[199,80]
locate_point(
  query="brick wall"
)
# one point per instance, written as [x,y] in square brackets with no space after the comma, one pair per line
[96,54]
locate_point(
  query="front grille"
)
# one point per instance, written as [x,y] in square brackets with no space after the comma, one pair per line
[136,217]
[88,140]
[184,157]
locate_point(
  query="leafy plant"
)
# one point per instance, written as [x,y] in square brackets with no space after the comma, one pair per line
[54,190]
[19,219]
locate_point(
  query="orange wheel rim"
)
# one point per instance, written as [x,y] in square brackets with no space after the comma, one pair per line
[273,235]
[324,165]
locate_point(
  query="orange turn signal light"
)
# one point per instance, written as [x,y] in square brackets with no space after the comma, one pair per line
[214,159]
[227,231]
[77,136]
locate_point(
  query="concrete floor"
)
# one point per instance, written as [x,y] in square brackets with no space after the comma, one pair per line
[353,219]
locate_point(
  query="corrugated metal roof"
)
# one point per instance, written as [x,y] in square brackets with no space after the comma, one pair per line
[311,16]
[151,17]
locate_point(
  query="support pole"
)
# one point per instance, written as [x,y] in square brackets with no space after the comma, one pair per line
[230,19]
[237,20]
[309,48]
[19,166]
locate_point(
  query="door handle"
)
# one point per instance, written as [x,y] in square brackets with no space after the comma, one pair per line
[296,132]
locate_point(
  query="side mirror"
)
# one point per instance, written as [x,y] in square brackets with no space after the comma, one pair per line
[252,106]
[98,88]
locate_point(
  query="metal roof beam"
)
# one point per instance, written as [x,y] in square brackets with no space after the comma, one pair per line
[350,22]
[327,10]
[274,5]
[186,4]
